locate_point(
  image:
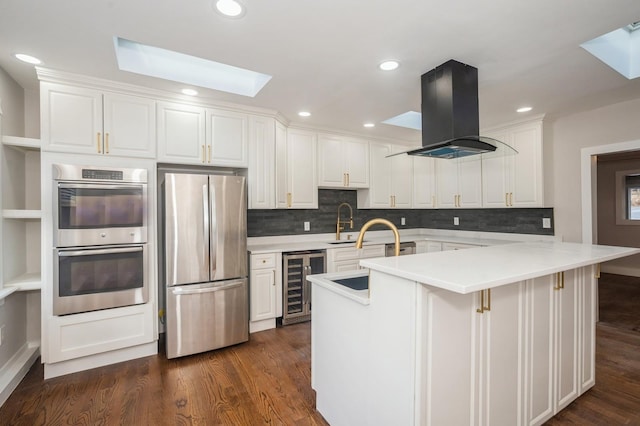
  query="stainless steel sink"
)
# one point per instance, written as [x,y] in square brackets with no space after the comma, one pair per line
[345,242]
[355,283]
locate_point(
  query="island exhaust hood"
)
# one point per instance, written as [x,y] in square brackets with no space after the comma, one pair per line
[450,117]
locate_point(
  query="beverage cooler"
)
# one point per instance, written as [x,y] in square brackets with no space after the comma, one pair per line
[296,289]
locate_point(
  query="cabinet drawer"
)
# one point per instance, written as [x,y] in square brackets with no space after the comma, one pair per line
[372,251]
[343,253]
[263,261]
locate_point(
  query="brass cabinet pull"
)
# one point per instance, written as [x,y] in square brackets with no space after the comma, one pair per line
[348,179]
[511,199]
[562,279]
[559,281]
[274,277]
[288,199]
[98,143]
[506,199]
[480,310]
[209,147]
[344,179]
[597,271]
[106,143]
[204,158]
[488,307]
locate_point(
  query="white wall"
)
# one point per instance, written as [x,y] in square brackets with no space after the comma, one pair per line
[568,135]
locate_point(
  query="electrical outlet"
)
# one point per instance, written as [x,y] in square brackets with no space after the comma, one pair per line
[546,222]
[403,221]
[456,221]
[307,226]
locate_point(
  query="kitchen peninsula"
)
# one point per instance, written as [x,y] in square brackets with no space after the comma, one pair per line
[499,335]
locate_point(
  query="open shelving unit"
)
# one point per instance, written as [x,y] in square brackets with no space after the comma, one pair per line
[21,215]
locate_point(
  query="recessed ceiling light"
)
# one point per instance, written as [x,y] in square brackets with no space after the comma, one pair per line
[524,109]
[230,8]
[368,125]
[189,92]
[304,114]
[389,65]
[28,59]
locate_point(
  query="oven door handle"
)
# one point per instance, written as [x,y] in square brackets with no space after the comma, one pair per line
[98,186]
[66,253]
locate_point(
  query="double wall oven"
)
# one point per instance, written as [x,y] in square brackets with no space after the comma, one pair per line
[100,238]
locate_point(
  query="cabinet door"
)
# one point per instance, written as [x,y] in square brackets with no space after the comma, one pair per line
[526,166]
[227,138]
[424,183]
[181,133]
[588,309]
[282,173]
[500,335]
[380,179]
[356,155]
[71,119]
[539,350]
[301,169]
[331,162]
[401,178]
[262,162]
[263,294]
[567,344]
[129,126]
[470,182]
[447,183]
[495,175]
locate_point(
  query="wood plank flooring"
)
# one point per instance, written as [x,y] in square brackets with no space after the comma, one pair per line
[267,381]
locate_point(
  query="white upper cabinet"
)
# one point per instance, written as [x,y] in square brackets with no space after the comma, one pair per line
[262,163]
[342,162]
[226,138]
[181,134]
[189,134]
[515,180]
[459,183]
[88,121]
[296,158]
[424,183]
[391,179]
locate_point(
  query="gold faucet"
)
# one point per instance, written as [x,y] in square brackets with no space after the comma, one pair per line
[379,221]
[339,224]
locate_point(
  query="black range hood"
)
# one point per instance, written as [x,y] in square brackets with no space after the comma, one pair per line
[450,117]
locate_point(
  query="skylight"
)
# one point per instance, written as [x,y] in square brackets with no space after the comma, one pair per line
[410,120]
[620,49]
[166,64]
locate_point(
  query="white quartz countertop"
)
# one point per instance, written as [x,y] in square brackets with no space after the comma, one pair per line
[259,245]
[474,269]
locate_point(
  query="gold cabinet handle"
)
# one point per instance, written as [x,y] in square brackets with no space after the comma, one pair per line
[106,143]
[348,179]
[204,158]
[344,180]
[209,157]
[562,279]
[480,310]
[98,143]
[274,277]
[506,199]
[484,307]
[559,281]
[598,271]
[288,199]
[488,307]
[511,199]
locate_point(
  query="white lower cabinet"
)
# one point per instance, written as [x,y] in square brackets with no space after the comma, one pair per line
[522,352]
[348,258]
[265,291]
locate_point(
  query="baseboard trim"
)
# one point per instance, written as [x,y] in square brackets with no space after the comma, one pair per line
[12,373]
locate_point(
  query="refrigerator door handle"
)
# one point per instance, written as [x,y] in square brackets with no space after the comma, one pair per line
[178,291]
[213,239]
[205,217]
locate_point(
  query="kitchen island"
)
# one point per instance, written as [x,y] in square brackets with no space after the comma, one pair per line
[500,335]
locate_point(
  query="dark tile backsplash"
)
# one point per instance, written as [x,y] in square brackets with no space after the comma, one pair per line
[262,223]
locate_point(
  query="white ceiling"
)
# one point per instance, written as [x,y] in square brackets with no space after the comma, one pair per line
[323,54]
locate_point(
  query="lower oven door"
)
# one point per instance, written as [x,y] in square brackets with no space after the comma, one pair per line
[93,278]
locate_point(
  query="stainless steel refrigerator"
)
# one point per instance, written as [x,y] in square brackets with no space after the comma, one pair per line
[205,258]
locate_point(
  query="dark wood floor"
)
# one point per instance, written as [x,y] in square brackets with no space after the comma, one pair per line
[267,381]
